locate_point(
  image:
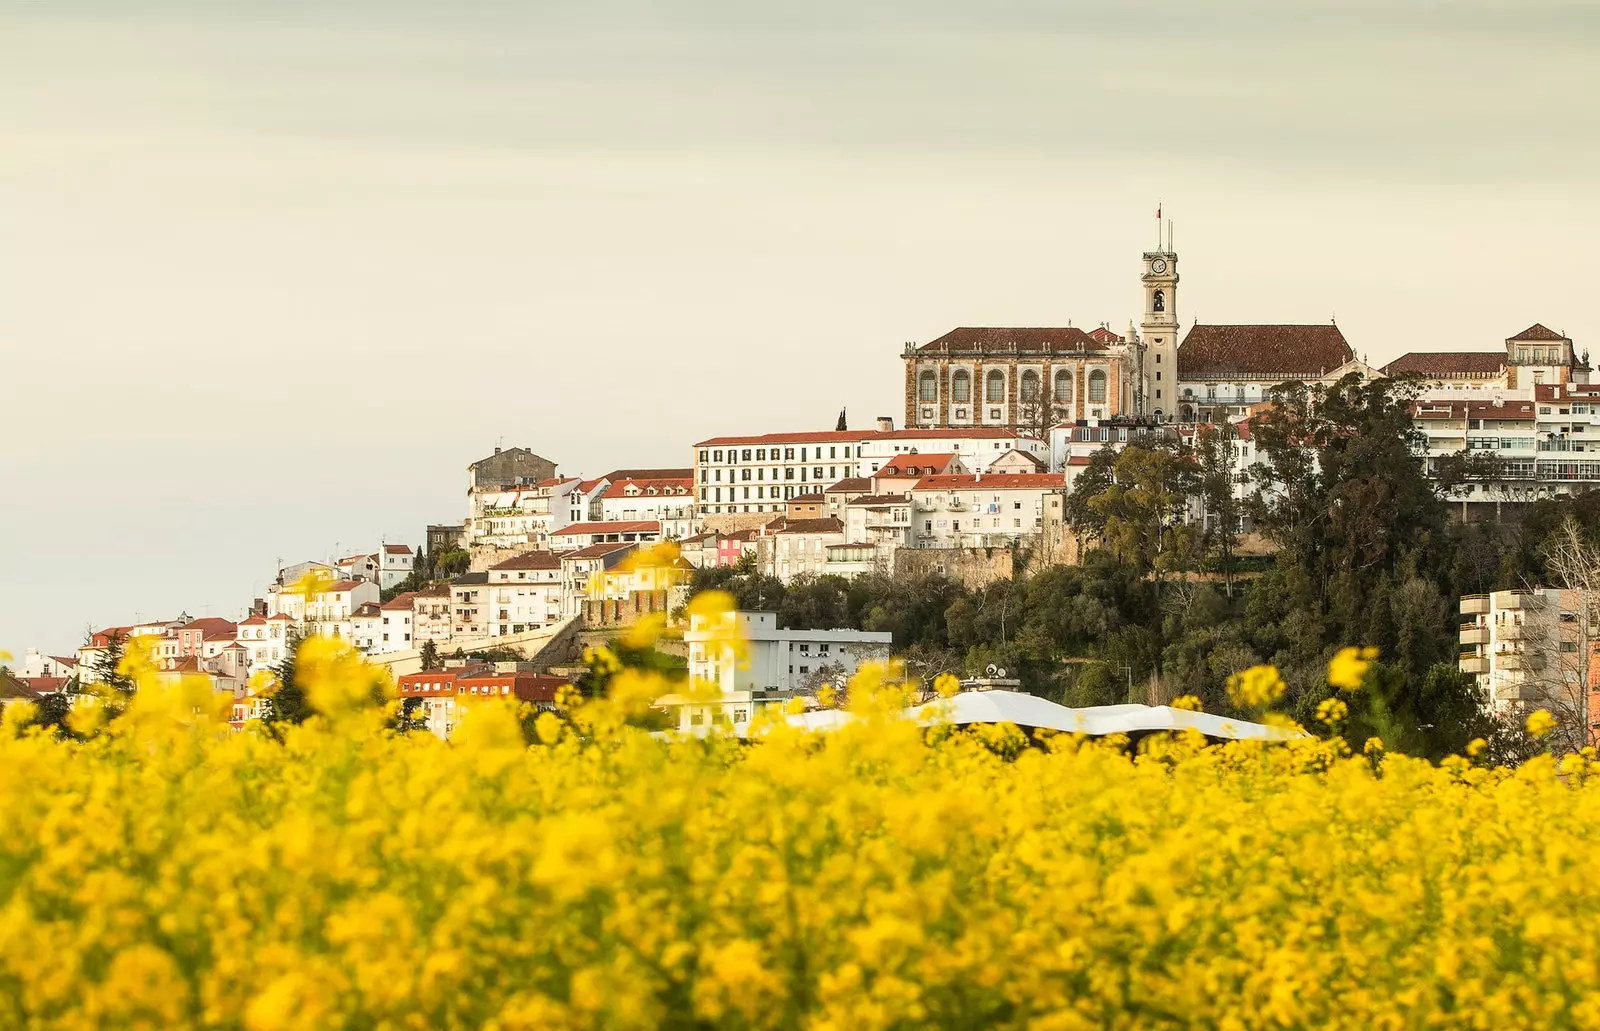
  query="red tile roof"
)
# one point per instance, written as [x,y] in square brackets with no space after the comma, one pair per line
[826,525]
[660,488]
[397,549]
[649,474]
[1537,331]
[344,586]
[850,485]
[44,685]
[65,660]
[964,433]
[1012,340]
[598,550]
[879,500]
[1216,352]
[615,526]
[917,464]
[530,560]
[399,601]
[212,627]
[525,687]
[816,437]
[814,498]
[1450,364]
[1033,460]
[1105,336]
[997,481]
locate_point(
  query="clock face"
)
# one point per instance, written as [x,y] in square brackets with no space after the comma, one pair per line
[1158,266]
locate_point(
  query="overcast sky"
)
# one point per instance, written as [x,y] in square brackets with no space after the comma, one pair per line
[271,275]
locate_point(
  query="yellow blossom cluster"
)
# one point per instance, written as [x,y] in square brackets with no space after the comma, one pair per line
[169,873]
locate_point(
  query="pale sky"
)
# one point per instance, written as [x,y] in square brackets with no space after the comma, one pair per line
[272,274]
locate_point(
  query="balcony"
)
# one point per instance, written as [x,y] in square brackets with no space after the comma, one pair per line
[1475,605]
[1519,662]
[1515,631]
[1472,633]
[1515,600]
[1474,664]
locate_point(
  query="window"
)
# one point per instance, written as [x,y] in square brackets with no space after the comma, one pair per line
[994,389]
[1097,385]
[928,386]
[1063,388]
[1030,387]
[961,386]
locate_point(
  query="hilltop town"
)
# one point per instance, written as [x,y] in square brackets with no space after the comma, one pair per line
[1000,427]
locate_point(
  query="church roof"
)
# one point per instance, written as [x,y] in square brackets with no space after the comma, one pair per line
[1537,331]
[1008,340]
[1216,351]
[1449,364]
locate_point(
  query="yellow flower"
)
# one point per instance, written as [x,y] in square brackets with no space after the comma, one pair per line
[1374,746]
[1475,747]
[1255,688]
[1188,702]
[1540,723]
[1332,711]
[547,726]
[946,685]
[1349,666]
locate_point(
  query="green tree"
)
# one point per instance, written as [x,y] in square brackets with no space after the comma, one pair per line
[1087,520]
[288,703]
[1146,506]
[430,655]
[107,667]
[1216,477]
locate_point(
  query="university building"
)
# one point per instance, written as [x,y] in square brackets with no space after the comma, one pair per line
[1030,379]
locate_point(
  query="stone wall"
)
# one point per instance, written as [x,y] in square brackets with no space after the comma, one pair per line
[972,567]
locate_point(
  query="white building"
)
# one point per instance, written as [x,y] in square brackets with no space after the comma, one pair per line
[777,664]
[979,511]
[1527,648]
[396,624]
[578,567]
[523,514]
[788,547]
[365,625]
[669,502]
[976,446]
[524,593]
[759,473]
[395,563]
[266,639]
[430,616]
[357,567]
[469,605]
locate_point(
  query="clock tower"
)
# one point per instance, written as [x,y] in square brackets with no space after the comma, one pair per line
[1158,331]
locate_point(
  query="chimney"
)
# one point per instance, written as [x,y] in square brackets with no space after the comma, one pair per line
[497,450]
[885,424]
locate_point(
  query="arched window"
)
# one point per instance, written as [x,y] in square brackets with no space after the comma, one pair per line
[1188,414]
[994,387]
[1064,387]
[1160,301]
[1030,387]
[961,386]
[928,386]
[1097,386]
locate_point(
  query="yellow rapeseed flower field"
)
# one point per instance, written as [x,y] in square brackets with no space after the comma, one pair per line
[168,873]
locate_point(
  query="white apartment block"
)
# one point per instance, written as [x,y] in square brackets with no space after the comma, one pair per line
[525,593]
[266,638]
[395,563]
[759,473]
[777,664]
[979,511]
[670,502]
[1527,647]
[510,516]
[395,629]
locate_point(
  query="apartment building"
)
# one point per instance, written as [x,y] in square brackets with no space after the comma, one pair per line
[979,511]
[524,593]
[1527,648]
[777,664]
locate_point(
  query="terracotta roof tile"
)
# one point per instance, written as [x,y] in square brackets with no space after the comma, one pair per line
[530,560]
[1007,340]
[1215,352]
[917,464]
[397,549]
[399,601]
[1449,364]
[598,550]
[851,484]
[1537,331]
[998,481]
[826,525]
[613,526]
[815,437]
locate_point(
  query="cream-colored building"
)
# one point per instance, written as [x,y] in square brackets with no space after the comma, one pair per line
[1528,648]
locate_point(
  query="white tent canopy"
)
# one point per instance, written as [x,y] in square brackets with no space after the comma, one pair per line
[1030,711]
